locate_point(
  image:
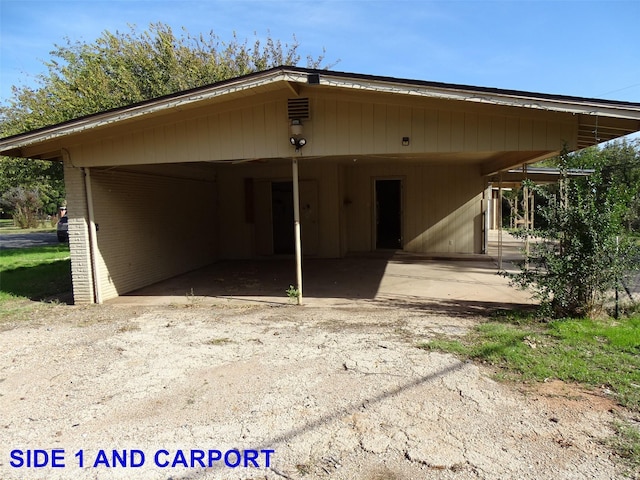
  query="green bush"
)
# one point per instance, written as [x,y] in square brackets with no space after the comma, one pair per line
[583,252]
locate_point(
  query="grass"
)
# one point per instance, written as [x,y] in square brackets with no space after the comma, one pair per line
[594,353]
[36,273]
[591,352]
[626,444]
[7,226]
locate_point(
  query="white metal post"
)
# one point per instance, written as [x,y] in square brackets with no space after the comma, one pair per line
[499,209]
[296,228]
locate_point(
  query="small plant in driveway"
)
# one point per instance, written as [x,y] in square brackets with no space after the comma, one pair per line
[293,293]
[192,298]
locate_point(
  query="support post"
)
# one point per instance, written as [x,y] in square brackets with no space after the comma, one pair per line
[486,205]
[499,214]
[296,228]
[525,196]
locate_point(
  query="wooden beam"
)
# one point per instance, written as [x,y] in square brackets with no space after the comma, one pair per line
[514,159]
[294,87]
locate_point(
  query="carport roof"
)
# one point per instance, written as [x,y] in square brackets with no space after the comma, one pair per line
[514,177]
[599,120]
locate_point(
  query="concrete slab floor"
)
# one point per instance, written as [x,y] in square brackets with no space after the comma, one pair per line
[452,284]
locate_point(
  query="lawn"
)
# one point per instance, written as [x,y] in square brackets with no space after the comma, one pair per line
[36,273]
[7,226]
[592,352]
[596,353]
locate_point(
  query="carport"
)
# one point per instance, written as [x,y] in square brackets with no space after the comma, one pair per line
[448,284]
[386,167]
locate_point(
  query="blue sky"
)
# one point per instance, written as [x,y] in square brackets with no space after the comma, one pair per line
[573,47]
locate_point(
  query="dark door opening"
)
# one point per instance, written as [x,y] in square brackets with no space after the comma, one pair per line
[388,214]
[282,215]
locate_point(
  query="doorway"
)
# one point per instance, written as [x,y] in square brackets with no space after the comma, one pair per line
[282,216]
[388,203]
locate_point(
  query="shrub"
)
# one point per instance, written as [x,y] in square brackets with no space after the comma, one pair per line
[582,252]
[24,204]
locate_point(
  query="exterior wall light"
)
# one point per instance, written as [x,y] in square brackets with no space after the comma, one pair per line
[298,142]
[296,138]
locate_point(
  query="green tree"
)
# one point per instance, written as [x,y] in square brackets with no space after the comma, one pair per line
[123,68]
[24,204]
[41,176]
[119,69]
[619,164]
[583,251]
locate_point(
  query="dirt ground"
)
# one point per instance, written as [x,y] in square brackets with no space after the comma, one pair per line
[301,392]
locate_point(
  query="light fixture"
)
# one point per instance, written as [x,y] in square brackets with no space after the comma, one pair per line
[296,126]
[296,138]
[298,142]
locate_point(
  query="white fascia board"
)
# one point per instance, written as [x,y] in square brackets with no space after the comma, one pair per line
[579,106]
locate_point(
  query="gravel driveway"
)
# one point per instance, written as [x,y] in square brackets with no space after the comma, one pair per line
[189,392]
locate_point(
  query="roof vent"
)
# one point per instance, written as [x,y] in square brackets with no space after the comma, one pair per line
[298,108]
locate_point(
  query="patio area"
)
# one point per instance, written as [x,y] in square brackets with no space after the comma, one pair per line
[448,284]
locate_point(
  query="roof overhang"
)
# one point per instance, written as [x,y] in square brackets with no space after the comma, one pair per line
[598,120]
[514,177]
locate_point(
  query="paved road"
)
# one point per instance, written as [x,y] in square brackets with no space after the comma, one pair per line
[22,240]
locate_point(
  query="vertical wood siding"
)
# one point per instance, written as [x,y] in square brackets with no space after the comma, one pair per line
[239,238]
[338,126]
[442,207]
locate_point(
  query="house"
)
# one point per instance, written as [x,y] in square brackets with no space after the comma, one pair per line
[169,185]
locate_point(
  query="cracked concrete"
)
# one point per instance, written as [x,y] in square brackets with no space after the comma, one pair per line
[337,393]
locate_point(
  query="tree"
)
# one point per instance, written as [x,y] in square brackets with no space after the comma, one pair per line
[24,204]
[119,69]
[123,68]
[46,178]
[583,250]
[619,164]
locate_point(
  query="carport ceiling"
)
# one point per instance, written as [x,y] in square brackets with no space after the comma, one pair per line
[204,170]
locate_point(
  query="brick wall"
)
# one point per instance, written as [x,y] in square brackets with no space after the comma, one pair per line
[81,271]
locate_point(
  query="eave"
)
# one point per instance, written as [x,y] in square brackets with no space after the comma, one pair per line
[598,120]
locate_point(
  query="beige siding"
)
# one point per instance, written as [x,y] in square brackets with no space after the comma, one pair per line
[151,228]
[442,207]
[239,237]
[81,270]
[338,126]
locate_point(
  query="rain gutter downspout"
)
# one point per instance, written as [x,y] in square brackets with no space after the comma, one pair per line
[93,240]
